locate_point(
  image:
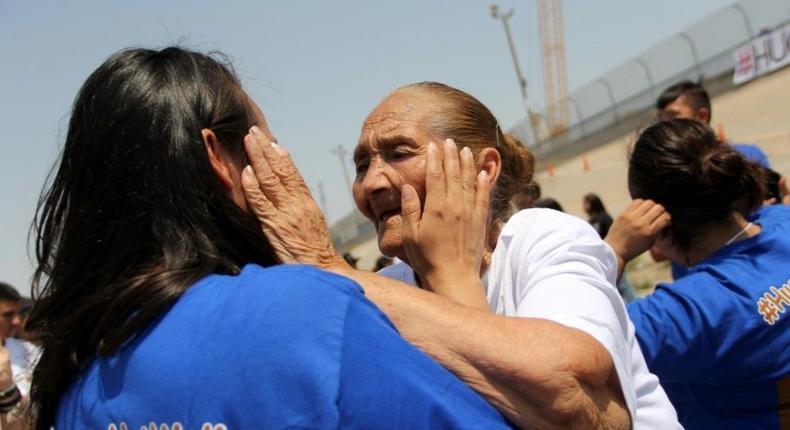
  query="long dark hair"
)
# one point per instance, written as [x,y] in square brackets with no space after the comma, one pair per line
[700,181]
[134,214]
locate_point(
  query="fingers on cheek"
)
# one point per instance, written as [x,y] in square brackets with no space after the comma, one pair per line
[279,150]
[407,236]
[269,181]
[248,179]
[250,146]
[267,213]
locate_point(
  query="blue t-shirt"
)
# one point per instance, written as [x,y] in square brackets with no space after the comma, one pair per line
[719,338]
[752,153]
[678,270]
[282,347]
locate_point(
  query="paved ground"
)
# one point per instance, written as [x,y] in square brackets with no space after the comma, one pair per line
[758,112]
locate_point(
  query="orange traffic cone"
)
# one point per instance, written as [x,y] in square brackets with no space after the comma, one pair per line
[550,170]
[585,163]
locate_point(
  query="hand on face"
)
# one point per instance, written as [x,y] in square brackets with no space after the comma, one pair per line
[289,216]
[445,240]
[635,230]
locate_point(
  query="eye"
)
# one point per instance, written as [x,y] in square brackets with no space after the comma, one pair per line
[362,167]
[400,153]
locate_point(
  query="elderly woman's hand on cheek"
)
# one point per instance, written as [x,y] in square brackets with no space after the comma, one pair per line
[288,213]
[445,240]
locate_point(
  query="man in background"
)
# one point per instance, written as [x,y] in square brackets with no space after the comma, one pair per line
[9,311]
[690,100]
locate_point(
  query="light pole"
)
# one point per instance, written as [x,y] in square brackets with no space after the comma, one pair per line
[522,83]
[341,153]
[322,199]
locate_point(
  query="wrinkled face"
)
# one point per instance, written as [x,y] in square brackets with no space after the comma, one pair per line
[391,152]
[682,108]
[9,318]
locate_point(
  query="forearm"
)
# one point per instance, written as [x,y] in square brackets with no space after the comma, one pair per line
[621,261]
[538,373]
[464,290]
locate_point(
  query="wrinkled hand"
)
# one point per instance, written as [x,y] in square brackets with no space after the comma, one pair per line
[289,216]
[636,228]
[444,241]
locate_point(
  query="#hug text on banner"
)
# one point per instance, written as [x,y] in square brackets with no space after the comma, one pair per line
[763,54]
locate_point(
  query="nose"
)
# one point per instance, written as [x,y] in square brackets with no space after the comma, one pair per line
[376,178]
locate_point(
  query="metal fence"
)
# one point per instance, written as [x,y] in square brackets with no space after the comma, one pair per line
[701,52]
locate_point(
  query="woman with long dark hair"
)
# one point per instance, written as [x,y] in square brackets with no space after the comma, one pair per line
[718,337]
[156,297]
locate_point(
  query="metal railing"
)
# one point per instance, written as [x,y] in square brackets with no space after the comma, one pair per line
[702,52]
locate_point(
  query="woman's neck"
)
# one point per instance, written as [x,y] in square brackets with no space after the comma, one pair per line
[734,229]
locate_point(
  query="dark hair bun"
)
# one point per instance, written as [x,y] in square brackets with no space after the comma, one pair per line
[734,178]
[682,165]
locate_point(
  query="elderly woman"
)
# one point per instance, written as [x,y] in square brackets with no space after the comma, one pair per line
[718,337]
[161,303]
[533,321]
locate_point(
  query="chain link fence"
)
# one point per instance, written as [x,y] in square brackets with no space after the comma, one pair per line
[622,97]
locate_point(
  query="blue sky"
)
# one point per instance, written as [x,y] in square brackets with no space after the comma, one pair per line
[316,69]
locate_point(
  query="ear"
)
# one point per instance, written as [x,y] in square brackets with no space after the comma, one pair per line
[490,161]
[703,115]
[217,159]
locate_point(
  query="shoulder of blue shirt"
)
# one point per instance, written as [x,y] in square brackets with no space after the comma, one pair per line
[752,153]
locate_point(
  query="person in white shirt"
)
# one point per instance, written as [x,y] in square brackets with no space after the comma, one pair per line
[543,334]
[10,322]
[15,369]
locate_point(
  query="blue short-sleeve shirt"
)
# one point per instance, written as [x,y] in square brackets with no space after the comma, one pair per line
[281,347]
[719,338]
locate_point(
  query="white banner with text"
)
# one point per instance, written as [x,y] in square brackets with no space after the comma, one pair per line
[768,52]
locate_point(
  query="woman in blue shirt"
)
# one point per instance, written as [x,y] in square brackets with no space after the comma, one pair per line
[718,337]
[157,301]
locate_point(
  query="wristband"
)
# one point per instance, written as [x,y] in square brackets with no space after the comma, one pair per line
[8,391]
[9,400]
